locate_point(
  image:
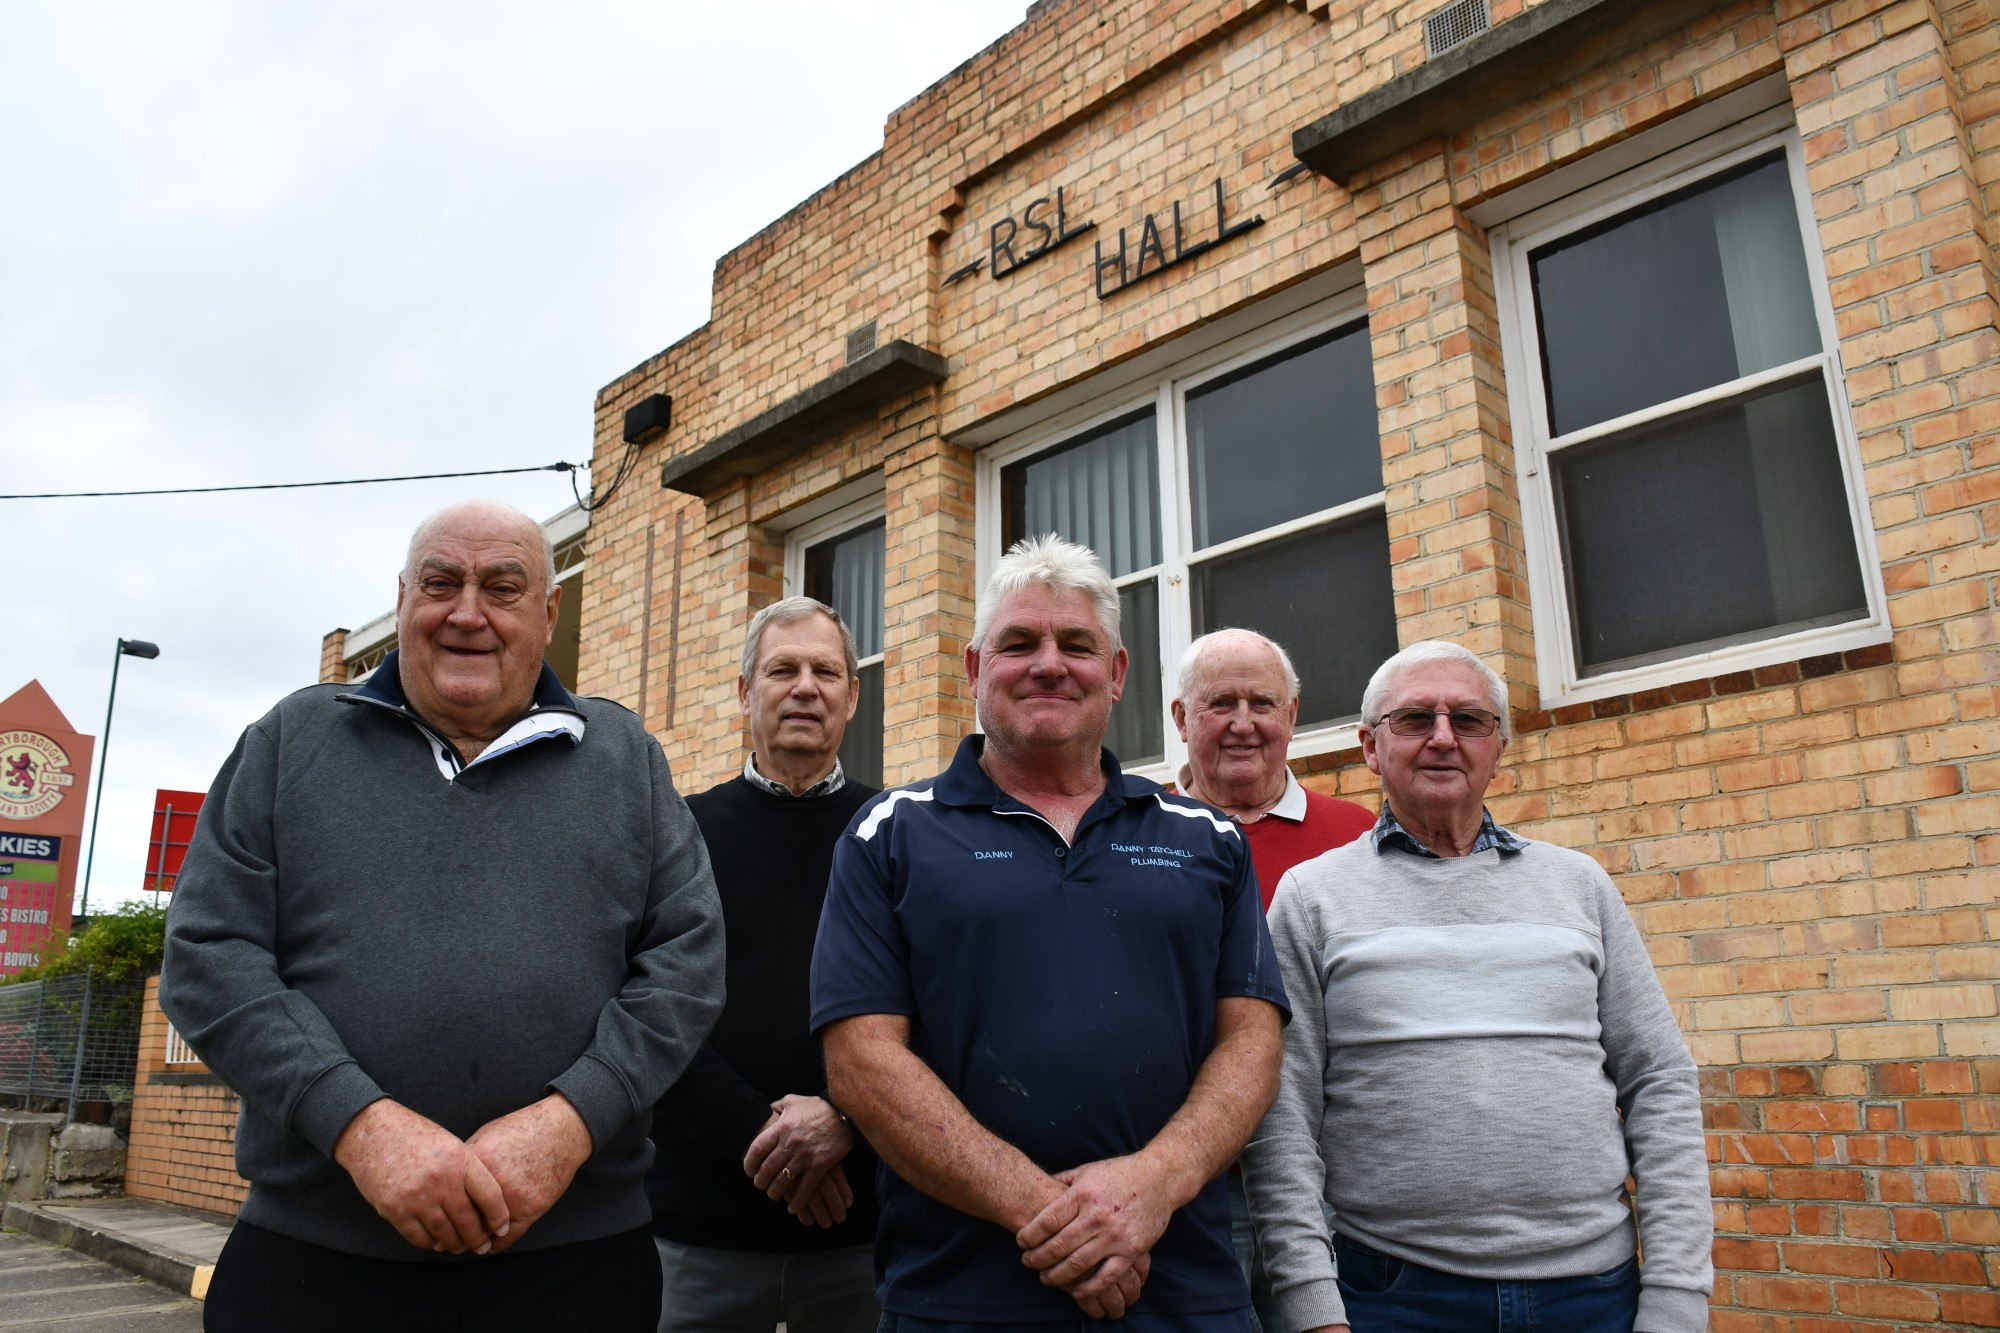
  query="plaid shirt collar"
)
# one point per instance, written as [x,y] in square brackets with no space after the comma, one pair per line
[1389,832]
[826,786]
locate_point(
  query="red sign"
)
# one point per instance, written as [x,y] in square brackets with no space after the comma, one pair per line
[44,769]
[173,830]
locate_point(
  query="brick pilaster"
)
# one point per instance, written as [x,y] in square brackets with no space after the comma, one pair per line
[931,594]
[1456,549]
[333,657]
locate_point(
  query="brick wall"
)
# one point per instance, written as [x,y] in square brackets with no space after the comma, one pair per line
[1809,847]
[183,1127]
[333,656]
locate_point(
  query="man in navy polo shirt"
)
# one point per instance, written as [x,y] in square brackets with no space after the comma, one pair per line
[1048,998]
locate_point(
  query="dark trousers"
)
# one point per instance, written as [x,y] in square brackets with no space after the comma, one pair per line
[266,1282]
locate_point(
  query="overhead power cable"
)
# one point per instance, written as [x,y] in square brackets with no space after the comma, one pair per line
[298,485]
[593,502]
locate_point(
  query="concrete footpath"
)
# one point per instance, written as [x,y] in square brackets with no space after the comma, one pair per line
[173,1247]
[46,1287]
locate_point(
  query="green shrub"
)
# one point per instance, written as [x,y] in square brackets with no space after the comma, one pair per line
[115,945]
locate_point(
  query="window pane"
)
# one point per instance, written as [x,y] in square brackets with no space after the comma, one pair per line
[846,573]
[1289,436]
[861,747]
[1693,290]
[1137,734]
[1723,524]
[1324,594]
[1098,490]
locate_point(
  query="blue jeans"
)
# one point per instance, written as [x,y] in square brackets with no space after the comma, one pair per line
[1385,1295]
[1226,1321]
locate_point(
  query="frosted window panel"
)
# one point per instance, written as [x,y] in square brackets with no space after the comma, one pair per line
[1138,731]
[846,572]
[1100,490]
[861,746]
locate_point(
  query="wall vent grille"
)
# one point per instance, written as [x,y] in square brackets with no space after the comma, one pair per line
[1454,25]
[861,342]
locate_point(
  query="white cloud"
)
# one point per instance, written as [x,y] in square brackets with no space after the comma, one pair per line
[293,242]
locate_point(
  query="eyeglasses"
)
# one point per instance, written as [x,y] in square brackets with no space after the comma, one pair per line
[1468,722]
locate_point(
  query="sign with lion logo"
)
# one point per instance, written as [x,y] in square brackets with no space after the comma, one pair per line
[34,775]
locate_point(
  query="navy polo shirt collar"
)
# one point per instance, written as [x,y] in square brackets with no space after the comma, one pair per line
[965,783]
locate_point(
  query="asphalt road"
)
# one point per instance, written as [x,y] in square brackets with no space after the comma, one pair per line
[44,1286]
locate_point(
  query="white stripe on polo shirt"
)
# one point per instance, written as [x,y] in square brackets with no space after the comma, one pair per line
[880,814]
[1222,824]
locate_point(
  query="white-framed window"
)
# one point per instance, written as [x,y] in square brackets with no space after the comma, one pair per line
[1241,489]
[840,558]
[178,1052]
[1691,490]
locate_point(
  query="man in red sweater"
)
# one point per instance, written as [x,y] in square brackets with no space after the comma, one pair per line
[1236,705]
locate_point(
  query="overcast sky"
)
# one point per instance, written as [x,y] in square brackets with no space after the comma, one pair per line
[288,242]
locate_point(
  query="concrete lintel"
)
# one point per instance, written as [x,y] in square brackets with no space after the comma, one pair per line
[793,425]
[1518,59]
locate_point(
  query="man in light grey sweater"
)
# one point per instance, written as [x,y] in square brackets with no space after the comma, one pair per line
[1480,1054]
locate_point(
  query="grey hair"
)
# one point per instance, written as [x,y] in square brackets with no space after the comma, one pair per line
[1184,686]
[790,611]
[1434,650]
[423,530]
[1048,562]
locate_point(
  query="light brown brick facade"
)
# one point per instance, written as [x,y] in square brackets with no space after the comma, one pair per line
[183,1146]
[1809,845]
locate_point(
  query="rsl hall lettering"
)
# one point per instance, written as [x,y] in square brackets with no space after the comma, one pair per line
[1164,238]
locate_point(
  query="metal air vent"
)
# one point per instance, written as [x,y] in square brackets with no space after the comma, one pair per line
[861,342]
[1455,24]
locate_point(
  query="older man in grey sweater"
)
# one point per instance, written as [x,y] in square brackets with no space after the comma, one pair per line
[449,935]
[1479,1057]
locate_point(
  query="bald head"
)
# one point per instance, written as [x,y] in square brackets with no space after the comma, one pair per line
[475,609]
[483,513]
[1234,646]
[1236,705]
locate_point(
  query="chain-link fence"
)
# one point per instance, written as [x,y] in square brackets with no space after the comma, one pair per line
[69,1040]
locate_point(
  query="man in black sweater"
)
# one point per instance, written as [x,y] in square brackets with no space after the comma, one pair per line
[763,1195]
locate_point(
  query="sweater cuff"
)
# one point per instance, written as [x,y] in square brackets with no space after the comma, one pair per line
[599,1096]
[1671,1310]
[322,1113]
[1312,1304]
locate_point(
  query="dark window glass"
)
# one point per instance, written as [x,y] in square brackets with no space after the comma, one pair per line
[567,641]
[847,572]
[1325,594]
[1137,733]
[1291,435]
[861,746]
[1695,289]
[1723,524]
[1100,490]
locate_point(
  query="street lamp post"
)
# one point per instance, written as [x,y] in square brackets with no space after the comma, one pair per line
[126,648]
